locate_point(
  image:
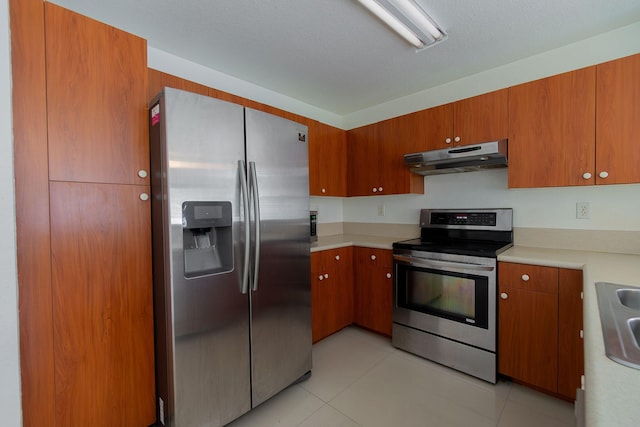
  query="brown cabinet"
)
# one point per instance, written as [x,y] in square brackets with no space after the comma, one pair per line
[327,160]
[373,289]
[331,291]
[96,101]
[539,324]
[472,120]
[102,304]
[617,124]
[552,131]
[376,160]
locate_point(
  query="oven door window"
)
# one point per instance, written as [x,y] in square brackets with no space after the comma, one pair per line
[455,296]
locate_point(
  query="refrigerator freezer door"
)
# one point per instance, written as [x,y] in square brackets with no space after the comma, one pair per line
[205,317]
[281,304]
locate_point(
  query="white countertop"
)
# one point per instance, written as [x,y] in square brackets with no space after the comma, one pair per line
[612,391]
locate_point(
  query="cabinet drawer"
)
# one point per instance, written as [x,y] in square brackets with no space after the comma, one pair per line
[339,258]
[528,277]
[372,258]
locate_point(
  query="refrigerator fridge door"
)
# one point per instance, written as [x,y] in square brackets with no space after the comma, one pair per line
[202,325]
[277,159]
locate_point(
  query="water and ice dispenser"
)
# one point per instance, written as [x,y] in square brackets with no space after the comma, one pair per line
[207,238]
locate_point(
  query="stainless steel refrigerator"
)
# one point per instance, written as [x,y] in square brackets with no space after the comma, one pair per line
[230,221]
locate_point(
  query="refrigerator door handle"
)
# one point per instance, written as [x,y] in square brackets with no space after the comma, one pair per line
[253,178]
[247,232]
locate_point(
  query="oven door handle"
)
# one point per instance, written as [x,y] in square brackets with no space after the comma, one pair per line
[422,262]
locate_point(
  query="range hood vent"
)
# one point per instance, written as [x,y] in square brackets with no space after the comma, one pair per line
[468,158]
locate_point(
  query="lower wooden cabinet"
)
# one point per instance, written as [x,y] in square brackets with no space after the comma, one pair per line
[331,291]
[373,289]
[102,305]
[539,327]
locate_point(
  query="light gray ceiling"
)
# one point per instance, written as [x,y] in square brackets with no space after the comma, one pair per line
[335,55]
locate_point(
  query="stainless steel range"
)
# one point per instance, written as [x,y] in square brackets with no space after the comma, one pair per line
[445,288]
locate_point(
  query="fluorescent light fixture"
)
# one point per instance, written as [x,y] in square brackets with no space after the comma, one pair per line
[408,19]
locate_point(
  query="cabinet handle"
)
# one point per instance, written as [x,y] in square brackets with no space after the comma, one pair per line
[525,277]
[581,333]
[586,175]
[373,257]
[375,190]
[326,276]
[324,190]
[142,173]
[379,189]
[456,139]
[504,295]
[448,140]
[321,277]
[388,275]
[603,174]
[144,197]
[337,257]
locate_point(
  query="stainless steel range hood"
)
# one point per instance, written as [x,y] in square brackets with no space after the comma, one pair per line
[468,158]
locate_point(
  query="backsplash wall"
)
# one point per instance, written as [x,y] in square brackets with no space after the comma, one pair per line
[613,207]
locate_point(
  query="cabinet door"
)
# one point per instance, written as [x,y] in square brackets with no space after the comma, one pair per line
[429,128]
[373,289]
[327,160]
[395,139]
[552,130]
[342,260]
[96,100]
[570,342]
[102,305]
[320,297]
[362,161]
[481,118]
[528,324]
[618,126]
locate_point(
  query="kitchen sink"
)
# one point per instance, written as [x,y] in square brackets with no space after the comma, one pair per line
[619,307]
[634,325]
[629,298]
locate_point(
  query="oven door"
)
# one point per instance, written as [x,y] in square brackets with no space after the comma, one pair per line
[452,296]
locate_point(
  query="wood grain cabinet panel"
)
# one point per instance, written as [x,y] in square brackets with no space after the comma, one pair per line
[376,160]
[617,121]
[570,326]
[373,289]
[96,100]
[481,118]
[552,131]
[539,327]
[332,291]
[102,305]
[327,160]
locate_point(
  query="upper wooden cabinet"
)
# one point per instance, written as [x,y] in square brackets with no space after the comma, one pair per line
[327,160]
[481,118]
[617,121]
[96,100]
[376,160]
[552,130]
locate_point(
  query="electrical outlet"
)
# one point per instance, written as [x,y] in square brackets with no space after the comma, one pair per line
[583,210]
[381,210]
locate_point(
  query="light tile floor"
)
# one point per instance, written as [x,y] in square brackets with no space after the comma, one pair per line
[359,379]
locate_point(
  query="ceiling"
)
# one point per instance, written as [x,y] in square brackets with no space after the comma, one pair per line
[335,55]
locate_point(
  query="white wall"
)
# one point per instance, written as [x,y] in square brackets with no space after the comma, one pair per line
[613,207]
[9,350]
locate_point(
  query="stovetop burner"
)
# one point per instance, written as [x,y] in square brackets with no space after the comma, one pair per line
[475,232]
[474,248]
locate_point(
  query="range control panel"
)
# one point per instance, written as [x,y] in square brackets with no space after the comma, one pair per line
[463,218]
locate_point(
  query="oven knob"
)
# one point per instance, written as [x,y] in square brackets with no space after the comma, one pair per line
[388,275]
[504,295]
[373,257]
[525,277]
